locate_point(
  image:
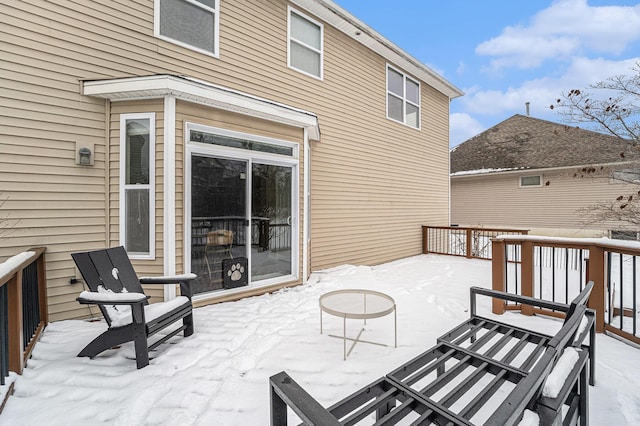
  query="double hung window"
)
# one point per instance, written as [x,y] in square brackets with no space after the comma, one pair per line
[137,183]
[305,44]
[189,23]
[403,98]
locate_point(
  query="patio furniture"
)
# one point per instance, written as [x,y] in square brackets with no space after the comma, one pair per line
[357,304]
[219,244]
[465,383]
[116,289]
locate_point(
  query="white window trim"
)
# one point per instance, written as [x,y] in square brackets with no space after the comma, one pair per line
[404,97]
[151,186]
[216,29]
[529,186]
[291,10]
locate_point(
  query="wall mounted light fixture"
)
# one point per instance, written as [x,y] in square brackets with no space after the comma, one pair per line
[85,156]
[84,153]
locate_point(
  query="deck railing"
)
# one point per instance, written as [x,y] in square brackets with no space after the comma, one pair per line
[459,241]
[557,269]
[23,309]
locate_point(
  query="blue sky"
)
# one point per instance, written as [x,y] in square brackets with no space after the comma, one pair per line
[505,53]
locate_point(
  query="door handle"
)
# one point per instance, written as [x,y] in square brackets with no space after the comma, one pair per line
[289,220]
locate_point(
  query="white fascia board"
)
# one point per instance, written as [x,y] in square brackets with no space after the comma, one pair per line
[342,20]
[192,90]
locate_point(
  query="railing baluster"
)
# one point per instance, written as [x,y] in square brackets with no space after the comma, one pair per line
[4,334]
[621,292]
[566,275]
[635,312]
[609,298]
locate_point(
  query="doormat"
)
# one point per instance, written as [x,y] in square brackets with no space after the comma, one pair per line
[235,272]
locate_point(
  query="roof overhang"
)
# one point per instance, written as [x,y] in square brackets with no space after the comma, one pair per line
[197,91]
[339,18]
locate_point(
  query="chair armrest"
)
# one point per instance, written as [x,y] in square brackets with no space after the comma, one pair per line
[93,298]
[184,280]
[173,279]
[563,307]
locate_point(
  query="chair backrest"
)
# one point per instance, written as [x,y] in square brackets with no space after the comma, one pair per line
[580,300]
[220,237]
[110,268]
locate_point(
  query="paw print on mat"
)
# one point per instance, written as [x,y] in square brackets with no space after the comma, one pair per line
[235,272]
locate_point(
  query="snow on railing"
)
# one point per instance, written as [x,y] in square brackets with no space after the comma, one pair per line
[23,312]
[558,268]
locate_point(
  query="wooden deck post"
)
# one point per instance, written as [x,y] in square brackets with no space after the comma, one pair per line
[595,271]
[16,342]
[498,274]
[469,243]
[527,275]
[425,233]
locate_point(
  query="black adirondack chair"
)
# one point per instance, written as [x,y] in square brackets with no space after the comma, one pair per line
[116,289]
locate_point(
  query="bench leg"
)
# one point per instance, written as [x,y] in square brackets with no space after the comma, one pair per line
[592,356]
[584,396]
[139,336]
[278,409]
[188,323]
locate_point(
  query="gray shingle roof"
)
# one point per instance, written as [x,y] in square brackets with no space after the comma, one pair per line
[522,142]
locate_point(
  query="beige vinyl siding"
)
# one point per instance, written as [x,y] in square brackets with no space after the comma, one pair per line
[499,201]
[374,181]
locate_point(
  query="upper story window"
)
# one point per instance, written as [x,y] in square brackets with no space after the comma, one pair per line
[305,44]
[528,181]
[137,183]
[403,98]
[189,23]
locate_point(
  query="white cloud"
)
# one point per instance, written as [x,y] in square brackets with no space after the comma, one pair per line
[462,127]
[564,29]
[541,92]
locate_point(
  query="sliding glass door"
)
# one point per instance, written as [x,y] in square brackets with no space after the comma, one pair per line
[218,218]
[271,218]
[243,205]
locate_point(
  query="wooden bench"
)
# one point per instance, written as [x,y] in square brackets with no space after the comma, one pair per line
[117,290]
[481,372]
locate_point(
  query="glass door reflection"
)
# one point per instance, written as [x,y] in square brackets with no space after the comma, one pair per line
[218,218]
[271,221]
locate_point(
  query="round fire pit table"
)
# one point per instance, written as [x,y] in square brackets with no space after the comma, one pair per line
[358,304]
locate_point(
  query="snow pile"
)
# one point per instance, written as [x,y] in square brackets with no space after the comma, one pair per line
[13,262]
[558,376]
[529,419]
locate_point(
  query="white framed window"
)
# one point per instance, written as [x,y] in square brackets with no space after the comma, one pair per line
[193,24]
[137,184]
[403,98]
[530,181]
[305,44]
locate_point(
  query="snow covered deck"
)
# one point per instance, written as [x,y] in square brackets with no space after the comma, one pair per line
[219,376]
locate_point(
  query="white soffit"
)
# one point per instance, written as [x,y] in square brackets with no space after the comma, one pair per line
[339,18]
[193,90]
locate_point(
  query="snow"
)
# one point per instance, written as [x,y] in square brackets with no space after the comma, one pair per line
[220,375]
[558,376]
[112,297]
[484,171]
[152,311]
[13,262]
[529,419]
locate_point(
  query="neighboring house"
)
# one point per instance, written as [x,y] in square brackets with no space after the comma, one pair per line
[535,174]
[192,132]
